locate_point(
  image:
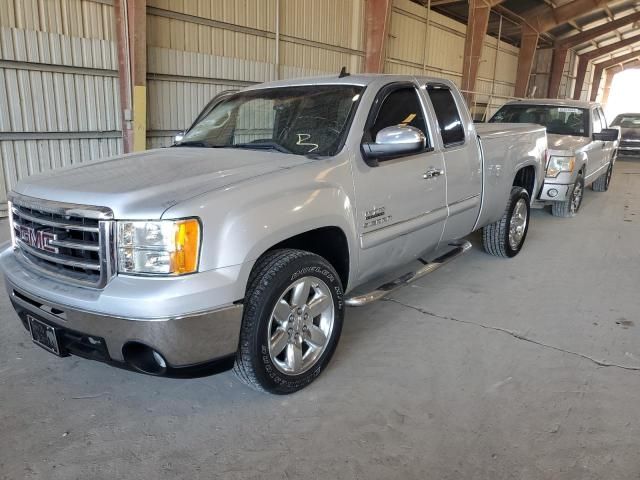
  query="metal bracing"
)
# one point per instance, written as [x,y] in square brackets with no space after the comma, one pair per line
[562,47]
[599,68]
[584,60]
[540,22]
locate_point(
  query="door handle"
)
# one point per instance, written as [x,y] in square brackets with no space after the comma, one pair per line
[432,173]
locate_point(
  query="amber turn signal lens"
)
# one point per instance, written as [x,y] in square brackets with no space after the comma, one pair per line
[185,257]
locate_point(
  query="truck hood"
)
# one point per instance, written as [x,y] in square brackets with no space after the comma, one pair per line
[144,185]
[567,142]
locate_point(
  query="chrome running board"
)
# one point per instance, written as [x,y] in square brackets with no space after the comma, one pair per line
[387,288]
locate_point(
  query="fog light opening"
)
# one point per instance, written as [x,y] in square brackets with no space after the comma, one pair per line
[553,192]
[144,359]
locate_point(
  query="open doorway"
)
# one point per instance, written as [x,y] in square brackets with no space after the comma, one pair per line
[623,97]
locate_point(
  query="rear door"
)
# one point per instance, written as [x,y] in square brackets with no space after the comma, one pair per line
[462,160]
[401,214]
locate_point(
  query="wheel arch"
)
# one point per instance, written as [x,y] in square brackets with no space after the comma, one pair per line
[525,177]
[328,242]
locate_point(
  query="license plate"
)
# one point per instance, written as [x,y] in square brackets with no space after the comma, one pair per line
[43,335]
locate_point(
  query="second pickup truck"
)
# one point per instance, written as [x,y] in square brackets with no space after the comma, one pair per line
[241,246]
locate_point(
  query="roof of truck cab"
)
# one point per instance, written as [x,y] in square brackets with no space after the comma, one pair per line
[563,102]
[360,79]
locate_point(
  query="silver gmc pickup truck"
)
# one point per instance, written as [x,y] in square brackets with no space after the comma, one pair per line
[582,149]
[241,245]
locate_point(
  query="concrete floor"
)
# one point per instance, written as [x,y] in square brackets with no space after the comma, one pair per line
[487,369]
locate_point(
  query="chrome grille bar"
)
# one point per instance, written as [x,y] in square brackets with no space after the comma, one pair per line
[42,220]
[76,245]
[60,259]
[70,242]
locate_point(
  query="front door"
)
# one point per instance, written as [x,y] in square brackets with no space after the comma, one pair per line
[597,148]
[400,213]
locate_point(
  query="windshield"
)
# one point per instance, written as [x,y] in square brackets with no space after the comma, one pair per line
[558,120]
[626,121]
[300,120]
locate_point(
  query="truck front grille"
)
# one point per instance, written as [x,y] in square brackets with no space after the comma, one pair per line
[67,241]
[630,144]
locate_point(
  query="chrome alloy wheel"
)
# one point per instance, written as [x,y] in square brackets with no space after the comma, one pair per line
[301,325]
[576,197]
[518,224]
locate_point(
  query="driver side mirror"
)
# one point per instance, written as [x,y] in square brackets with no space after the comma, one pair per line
[395,141]
[607,135]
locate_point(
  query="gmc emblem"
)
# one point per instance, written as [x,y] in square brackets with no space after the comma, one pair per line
[40,239]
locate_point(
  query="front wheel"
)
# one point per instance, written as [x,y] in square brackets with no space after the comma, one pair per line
[569,208]
[292,321]
[601,184]
[505,237]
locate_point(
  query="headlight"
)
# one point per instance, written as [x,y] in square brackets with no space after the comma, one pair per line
[12,227]
[165,247]
[560,164]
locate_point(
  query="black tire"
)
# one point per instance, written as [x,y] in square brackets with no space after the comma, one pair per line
[601,184]
[568,208]
[495,237]
[272,275]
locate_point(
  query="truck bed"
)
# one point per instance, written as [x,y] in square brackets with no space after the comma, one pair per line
[488,130]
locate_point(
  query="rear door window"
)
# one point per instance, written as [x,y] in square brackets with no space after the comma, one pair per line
[446,110]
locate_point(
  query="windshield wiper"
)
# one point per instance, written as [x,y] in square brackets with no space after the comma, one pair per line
[262,146]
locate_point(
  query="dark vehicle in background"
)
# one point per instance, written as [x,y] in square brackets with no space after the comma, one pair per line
[629,125]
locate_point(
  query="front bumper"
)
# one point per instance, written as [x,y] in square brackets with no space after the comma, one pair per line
[555,192]
[190,338]
[629,148]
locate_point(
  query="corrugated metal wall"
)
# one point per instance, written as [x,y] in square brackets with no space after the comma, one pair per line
[59,86]
[444,50]
[198,48]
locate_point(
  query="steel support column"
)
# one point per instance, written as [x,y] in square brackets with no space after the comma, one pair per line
[479,11]
[583,63]
[377,19]
[611,72]
[131,27]
[557,69]
[597,78]
[525,59]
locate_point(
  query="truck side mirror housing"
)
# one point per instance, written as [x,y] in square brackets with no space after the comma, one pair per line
[178,138]
[393,142]
[607,135]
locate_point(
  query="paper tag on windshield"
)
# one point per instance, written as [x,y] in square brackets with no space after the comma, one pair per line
[568,110]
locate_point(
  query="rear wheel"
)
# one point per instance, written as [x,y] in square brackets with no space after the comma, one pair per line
[505,237]
[601,184]
[292,321]
[569,208]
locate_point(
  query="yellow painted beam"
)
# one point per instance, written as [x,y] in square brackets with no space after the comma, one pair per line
[139,118]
